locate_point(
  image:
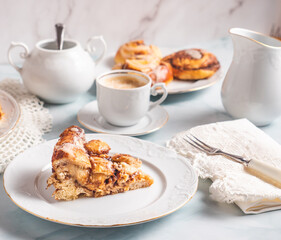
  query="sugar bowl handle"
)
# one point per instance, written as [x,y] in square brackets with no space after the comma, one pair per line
[23,55]
[91,48]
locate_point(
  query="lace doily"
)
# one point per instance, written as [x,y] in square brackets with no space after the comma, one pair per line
[35,120]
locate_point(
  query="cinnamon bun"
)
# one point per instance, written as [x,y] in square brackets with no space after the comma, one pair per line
[135,55]
[136,49]
[158,71]
[193,64]
[1,112]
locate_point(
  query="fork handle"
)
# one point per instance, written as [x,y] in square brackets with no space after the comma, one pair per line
[264,171]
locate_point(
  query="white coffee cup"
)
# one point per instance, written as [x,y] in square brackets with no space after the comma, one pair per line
[123,96]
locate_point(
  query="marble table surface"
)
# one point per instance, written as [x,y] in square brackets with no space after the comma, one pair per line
[201,218]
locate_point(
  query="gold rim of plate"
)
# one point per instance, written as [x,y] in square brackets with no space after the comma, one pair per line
[99,226]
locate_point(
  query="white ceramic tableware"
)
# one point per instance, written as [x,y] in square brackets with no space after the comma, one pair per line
[89,117]
[58,76]
[175,183]
[181,86]
[252,86]
[125,107]
[11,111]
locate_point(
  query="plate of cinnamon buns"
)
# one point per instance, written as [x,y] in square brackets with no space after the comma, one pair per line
[182,71]
[9,113]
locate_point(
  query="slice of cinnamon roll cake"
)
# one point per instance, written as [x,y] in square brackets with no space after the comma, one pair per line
[86,169]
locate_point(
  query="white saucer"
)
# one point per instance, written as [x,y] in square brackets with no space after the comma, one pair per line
[89,117]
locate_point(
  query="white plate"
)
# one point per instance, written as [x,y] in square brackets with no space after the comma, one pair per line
[175,182]
[176,86]
[181,86]
[11,111]
[89,117]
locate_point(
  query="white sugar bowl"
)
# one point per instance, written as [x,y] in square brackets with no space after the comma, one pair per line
[59,76]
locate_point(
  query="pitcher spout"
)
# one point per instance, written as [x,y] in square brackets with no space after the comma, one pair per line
[256,37]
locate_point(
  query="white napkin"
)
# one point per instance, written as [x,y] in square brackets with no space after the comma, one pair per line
[231,183]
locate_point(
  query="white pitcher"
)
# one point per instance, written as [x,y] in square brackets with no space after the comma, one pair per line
[58,76]
[252,86]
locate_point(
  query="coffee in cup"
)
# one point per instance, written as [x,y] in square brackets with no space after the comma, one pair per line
[123,96]
[123,82]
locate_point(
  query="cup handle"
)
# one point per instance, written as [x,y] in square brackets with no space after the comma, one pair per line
[23,55]
[91,49]
[154,92]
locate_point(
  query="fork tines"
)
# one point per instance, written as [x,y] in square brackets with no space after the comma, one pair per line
[197,143]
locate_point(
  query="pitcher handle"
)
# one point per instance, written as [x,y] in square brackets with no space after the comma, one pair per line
[154,92]
[91,49]
[23,55]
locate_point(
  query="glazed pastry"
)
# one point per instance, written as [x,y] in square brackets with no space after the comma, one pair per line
[159,71]
[193,64]
[162,73]
[136,49]
[1,112]
[86,169]
[135,55]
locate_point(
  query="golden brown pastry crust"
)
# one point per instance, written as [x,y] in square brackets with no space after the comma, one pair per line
[136,49]
[193,64]
[97,147]
[135,55]
[127,159]
[83,168]
[159,72]
[1,113]
[162,73]
[71,147]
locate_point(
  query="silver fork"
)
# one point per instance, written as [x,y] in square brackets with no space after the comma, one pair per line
[260,169]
